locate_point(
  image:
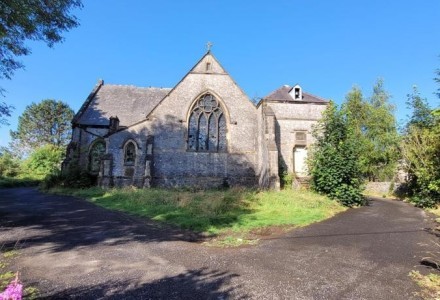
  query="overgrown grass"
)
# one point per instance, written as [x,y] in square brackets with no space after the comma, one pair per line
[10,182]
[430,285]
[215,211]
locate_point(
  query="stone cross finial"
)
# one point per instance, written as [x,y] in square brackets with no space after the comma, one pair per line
[208,46]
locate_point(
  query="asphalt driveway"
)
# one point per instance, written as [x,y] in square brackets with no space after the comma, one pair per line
[70,248]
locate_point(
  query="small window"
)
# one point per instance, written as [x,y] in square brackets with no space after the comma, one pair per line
[130,154]
[208,66]
[297,93]
[300,137]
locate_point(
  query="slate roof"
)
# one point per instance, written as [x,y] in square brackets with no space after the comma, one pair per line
[282,94]
[129,103]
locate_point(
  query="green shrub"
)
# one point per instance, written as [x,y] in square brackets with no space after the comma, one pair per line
[334,163]
[73,178]
[44,160]
[9,165]
[286,179]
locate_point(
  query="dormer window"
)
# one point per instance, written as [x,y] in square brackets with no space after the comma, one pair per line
[296,93]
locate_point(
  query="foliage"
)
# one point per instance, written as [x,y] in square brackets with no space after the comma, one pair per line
[421,150]
[44,160]
[374,126]
[215,211]
[421,112]
[437,79]
[11,182]
[286,179]
[430,285]
[5,111]
[382,137]
[73,178]
[9,165]
[334,162]
[47,122]
[23,20]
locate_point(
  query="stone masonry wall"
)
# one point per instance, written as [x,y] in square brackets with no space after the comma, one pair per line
[293,117]
[84,137]
[173,164]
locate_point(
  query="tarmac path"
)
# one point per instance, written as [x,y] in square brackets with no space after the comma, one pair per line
[70,248]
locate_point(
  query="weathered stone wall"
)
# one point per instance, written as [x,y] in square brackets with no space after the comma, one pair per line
[84,138]
[293,117]
[172,163]
[381,188]
[124,175]
[262,150]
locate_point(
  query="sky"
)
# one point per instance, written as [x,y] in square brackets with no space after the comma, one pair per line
[325,46]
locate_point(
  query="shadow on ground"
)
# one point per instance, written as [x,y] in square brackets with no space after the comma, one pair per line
[68,222]
[193,284]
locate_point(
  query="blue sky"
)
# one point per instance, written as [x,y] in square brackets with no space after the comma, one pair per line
[325,46]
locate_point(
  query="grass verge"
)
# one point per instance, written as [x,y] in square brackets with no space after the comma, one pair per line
[430,285]
[232,213]
[10,182]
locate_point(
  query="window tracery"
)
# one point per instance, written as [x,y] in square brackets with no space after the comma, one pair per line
[129,154]
[95,154]
[207,126]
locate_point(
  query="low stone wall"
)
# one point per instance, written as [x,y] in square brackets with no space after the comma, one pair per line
[380,188]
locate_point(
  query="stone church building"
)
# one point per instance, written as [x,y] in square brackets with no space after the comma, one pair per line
[203,132]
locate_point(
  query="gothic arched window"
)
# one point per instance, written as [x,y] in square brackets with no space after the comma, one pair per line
[129,154]
[95,154]
[207,126]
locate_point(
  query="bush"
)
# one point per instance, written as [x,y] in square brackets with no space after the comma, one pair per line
[45,160]
[334,163]
[286,179]
[74,177]
[9,166]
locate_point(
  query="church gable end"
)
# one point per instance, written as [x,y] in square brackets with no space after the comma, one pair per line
[204,132]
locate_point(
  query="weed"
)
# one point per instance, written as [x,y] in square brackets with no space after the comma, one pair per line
[10,254]
[430,285]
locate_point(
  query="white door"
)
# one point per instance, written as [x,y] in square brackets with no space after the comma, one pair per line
[300,161]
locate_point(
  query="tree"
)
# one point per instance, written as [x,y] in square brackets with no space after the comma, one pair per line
[421,150]
[9,165]
[45,123]
[437,79]
[334,163]
[421,111]
[5,111]
[374,126]
[357,108]
[382,149]
[23,20]
[44,160]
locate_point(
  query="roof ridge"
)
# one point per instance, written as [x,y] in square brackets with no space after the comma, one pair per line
[135,86]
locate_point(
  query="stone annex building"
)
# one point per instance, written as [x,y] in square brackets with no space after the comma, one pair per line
[203,132]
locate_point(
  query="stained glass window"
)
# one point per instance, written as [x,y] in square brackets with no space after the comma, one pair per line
[207,126]
[95,154]
[130,154]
